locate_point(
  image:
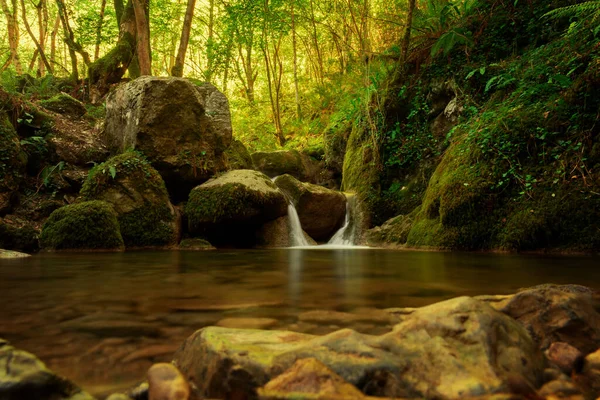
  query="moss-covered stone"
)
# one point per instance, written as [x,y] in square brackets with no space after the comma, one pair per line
[195,244]
[91,225]
[229,208]
[238,156]
[138,194]
[393,231]
[12,165]
[18,235]
[292,162]
[321,211]
[64,104]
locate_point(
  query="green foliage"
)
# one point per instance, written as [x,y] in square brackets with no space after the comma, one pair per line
[90,225]
[582,16]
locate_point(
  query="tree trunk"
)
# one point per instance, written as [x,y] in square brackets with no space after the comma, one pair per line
[406,38]
[119,9]
[42,11]
[315,38]
[177,69]
[99,30]
[12,25]
[53,40]
[34,39]
[295,56]
[74,47]
[210,52]
[110,69]
[143,37]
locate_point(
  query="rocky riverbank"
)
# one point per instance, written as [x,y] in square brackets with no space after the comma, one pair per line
[542,342]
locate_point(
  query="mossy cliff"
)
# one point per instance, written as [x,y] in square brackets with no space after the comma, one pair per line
[138,194]
[90,225]
[12,164]
[517,167]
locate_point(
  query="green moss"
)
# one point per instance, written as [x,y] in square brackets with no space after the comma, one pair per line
[21,238]
[138,194]
[90,225]
[112,66]
[12,159]
[195,244]
[238,156]
[64,104]
[275,163]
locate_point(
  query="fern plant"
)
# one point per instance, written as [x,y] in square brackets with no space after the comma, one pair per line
[583,16]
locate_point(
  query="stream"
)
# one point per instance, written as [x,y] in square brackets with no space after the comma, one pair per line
[101,319]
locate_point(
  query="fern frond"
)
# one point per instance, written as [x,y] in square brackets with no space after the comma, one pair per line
[581,10]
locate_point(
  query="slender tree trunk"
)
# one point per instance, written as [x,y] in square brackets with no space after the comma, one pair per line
[34,39]
[42,11]
[295,57]
[74,47]
[12,25]
[320,71]
[99,30]
[53,40]
[210,52]
[177,69]
[34,58]
[143,37]
[119,9]
[406,38]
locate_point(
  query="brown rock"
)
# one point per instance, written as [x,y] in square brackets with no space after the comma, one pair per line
[560,389]
[591,371]
[167,383]
[321,210]
[277,234]
[309,378]
[565,357]
[247,323]
[292,162]
[553,313]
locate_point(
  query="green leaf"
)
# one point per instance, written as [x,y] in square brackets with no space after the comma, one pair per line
[113,171]
[482,70]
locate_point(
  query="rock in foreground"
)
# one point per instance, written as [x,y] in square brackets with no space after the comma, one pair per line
[182,128]
[457,348]
[24,377]
[230,208]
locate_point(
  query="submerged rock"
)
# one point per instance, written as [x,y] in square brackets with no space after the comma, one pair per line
[23,376]
[12,254]
[91,225]
[457,348]
[195,244]
[182,128]
[230,208]
[321,211]
[291,162]
[138,194]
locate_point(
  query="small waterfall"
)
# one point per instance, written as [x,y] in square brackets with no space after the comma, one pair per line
[346,235]
[296,234]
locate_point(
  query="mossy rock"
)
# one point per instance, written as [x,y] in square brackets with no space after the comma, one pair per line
[19,236]
[138,194]
[64,104]
[195,245]
[321,211]
[91,225]
[12,165]
[229,208]
[292,162]
[238,156]
[393,232]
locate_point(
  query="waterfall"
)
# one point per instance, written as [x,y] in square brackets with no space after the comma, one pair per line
[346,235]
[296,234]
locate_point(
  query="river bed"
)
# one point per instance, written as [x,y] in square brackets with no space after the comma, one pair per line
[101,319]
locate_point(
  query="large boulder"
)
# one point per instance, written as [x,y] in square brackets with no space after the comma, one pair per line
[12,165]
[138,194]
[230,208]
[278,233]
[17,234]
[23,376]
[91,225]
[238,156]
[557,313]
[321,211]
[64,104]
[454,349]
[292,162]
[182,128]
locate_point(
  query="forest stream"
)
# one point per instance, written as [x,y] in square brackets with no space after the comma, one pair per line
[102,319]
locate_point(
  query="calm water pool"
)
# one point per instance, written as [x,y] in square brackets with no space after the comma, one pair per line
[101,319]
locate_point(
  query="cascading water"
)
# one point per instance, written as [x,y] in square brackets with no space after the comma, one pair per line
[296,234]
[346,235]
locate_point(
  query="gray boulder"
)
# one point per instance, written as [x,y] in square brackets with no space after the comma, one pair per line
[182,128]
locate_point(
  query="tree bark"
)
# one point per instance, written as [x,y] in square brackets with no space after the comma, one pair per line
[42,11]
[177,69]
[12,25]
[99,30]
[74,46]
[406,38]
[143,37]
[53,40]
[110,68]
[295,57]
[34,39]
[119,9]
